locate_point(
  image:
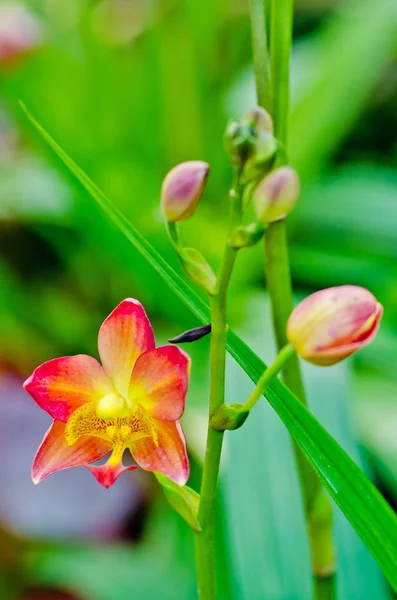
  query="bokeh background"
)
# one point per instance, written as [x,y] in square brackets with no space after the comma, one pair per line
[129,88]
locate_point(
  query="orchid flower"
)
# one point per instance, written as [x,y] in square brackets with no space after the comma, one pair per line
[132,402]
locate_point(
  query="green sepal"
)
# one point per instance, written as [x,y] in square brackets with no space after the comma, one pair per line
[261,161]
[245,236]
[183,500]
[195,265]
[228,417]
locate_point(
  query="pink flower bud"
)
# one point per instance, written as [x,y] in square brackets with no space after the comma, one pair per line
[334,323]
[276,195]
[182,189]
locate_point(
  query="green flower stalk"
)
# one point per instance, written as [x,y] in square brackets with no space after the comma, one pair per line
[278,278]
[181,191]
[205,548]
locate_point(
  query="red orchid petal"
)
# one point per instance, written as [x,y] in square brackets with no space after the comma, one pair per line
[167,454]
[62,385]
[54,454]
[123,336]
[107,474]
[159,382]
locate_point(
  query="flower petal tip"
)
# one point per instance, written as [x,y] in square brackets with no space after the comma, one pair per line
[107,474]
[26,383]
[182,481]
[123,336]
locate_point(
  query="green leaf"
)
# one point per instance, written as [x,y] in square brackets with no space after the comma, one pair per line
[183,500]
[357,497]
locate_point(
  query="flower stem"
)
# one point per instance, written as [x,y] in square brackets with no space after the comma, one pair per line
[271,372]
[317,505]
[205,540]
[281,21]
[260,52]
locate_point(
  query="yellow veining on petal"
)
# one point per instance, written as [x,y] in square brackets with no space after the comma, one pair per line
[84,421]
[122,431]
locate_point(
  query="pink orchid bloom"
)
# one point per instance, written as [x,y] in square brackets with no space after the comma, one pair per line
[132,402]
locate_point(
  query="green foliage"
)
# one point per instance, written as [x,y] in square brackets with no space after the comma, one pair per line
[129,111]
[161,567]
[356,496]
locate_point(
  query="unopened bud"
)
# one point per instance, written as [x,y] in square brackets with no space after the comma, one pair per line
[334,323]
[276,195]
[182,189]
[228,417]
[250,143]
[236,143]
[259,120]
[192,335]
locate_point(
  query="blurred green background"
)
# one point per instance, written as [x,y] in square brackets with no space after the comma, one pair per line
[129,88]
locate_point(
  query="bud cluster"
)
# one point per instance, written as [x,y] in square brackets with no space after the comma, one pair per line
[251,145]
[326,327]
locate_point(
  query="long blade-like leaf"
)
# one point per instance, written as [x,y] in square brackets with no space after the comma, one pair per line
[356,496]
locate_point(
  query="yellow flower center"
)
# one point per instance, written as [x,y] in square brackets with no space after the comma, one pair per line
[111,419]
[112,406]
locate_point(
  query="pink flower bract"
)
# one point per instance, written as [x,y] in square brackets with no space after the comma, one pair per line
[133,402]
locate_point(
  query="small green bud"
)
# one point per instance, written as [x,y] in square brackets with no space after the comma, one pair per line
[245,236]
[276,195]
[228,417]
[251,144]
[182,189]
[237,143]
[259,120]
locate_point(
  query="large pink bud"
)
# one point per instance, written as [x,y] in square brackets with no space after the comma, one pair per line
[331,324]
